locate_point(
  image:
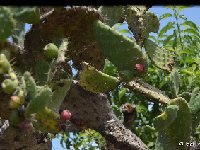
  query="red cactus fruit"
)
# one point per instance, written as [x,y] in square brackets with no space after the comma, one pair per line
[139,67]
[65,115]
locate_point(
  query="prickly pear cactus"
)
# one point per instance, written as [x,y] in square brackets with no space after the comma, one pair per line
[120,50]
[158,55]
[39,102]
[175,81]
[4,64]
[59,94]
[10,85]
[166,118]
[7,22]
[112,14]
[96,81]
[41,70]
[174,133]
[29,15]
[51,51]
[30,85]
[14,118]
[47,120]
[194,102]
[141,22]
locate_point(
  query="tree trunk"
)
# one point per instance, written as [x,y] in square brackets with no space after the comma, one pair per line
[16,139]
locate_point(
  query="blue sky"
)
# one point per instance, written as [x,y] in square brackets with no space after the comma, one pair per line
[191,13]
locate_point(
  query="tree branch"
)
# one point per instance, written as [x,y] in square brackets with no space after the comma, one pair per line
[90,110]
[148,90]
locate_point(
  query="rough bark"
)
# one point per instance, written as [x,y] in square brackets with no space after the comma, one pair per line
[148,91]
[16,139]
[93,111]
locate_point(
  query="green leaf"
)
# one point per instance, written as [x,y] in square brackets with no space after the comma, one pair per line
[122,92]
[166,15]
[169,26]
[169,37]
[191,31]
[180,8]
[153,38]
[190,24]
[110,69]
[175,40]
[183,17]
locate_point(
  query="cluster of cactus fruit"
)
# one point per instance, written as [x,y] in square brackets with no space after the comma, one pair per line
[31,105]
[37,107]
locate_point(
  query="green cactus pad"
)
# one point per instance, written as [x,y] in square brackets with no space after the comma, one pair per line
[7,23]
[180,129]
[4,64]
[29,15]
[166,118]
[112,14]
[47,120]
[14,118]
[141,22]
[51,51]
[120,50]
[9,85]
[163,142]
[30,85]
[151,22]
[96,81]
[39,102]
[59,94]
[41,71]
[194,102]
[175,79]
[158,55]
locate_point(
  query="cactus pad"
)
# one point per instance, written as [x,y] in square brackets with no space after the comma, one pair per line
[112,14]
[47,120]
[174,133]
[39,102]
[141,22]
[194,102]
[96,81]
[120,50]
[175,79]
[30,85]
[4,64]
[7,23]
[166,118]
[59,93]
[29,15]
[158,55]
[9,85]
